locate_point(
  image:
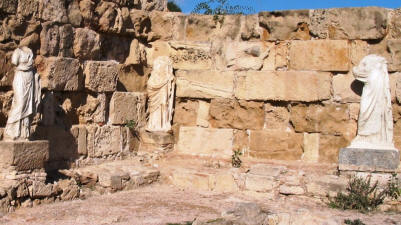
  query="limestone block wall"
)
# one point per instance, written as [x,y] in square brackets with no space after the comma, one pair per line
[275,85]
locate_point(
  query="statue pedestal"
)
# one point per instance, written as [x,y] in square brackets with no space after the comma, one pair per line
[24,155]
[156,142]
[359,159]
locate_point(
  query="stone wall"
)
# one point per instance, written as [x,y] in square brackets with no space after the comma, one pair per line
[277,85]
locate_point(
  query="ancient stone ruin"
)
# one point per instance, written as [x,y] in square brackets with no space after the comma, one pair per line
[126,85]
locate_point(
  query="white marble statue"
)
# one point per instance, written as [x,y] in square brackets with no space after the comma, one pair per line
[375,122]
[26,97]
[160,89]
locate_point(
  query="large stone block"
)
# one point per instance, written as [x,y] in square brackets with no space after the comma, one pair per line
[277,116]
[101,76]
[229,113]
[24,155]
[283,85]
[106,140]
[245,55]
[56,40]
[329,147]
[168,25]
[60,74]
[321,55]
[126,106]
[285,25]
[206,142]
[27,8]
[185,112]
[191,55]
[349,23]
[328,119]
[86,44]
[204,84]
[275,145]
[53,10]
[346,89]
[369,159]
[260,183]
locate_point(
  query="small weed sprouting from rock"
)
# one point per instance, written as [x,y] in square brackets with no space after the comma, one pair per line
[354,222]
[363,196]
[235,160]
[131,124]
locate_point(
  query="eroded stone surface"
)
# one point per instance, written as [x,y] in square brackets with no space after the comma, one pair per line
[101,76]
[24,155]
[283,85]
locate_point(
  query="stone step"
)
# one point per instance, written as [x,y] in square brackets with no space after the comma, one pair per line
[30,189]
[252,177]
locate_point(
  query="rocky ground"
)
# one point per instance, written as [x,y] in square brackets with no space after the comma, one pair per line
[163,204]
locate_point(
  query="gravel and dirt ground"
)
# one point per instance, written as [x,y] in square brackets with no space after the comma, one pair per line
[162,204]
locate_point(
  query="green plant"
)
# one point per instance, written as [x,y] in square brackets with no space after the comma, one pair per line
[354,222]
[220,7]
[131,124]
[173,7]
[360,195]
[235,160]
[393,189]
[363,196]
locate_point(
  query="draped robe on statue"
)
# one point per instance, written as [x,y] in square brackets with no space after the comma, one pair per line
[26,97]
[375,122]
[160,89]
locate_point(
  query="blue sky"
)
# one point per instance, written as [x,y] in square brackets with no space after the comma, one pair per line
[269,5]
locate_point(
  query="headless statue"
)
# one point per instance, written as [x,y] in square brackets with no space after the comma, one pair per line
[26,97]
[375,122]
[160,91]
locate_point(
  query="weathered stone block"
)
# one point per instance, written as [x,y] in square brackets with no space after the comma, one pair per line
[86,44]
[228,113]
[277,116]
[394,48]
[394,22]
[105,140]
[250,27]
[245,55]
[283,85]
[311,147]
[267,170]
[205,142]
[168,26]
[369,159]
[329,146]
[349,23]
[27,8]
[79,132]
[260,183]
[275,145]
[53,10]
[24,155]
[223,182]
[203,114]
[60,74]
[56,40]
[185,112]
[204,84]
[346,89]
[327,119]
[285,25]
[126,106]
[291,190]
[101,76]
[190,55]
[321,55]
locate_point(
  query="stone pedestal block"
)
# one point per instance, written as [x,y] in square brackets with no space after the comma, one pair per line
[369,159]
[156,142]
[24,155]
